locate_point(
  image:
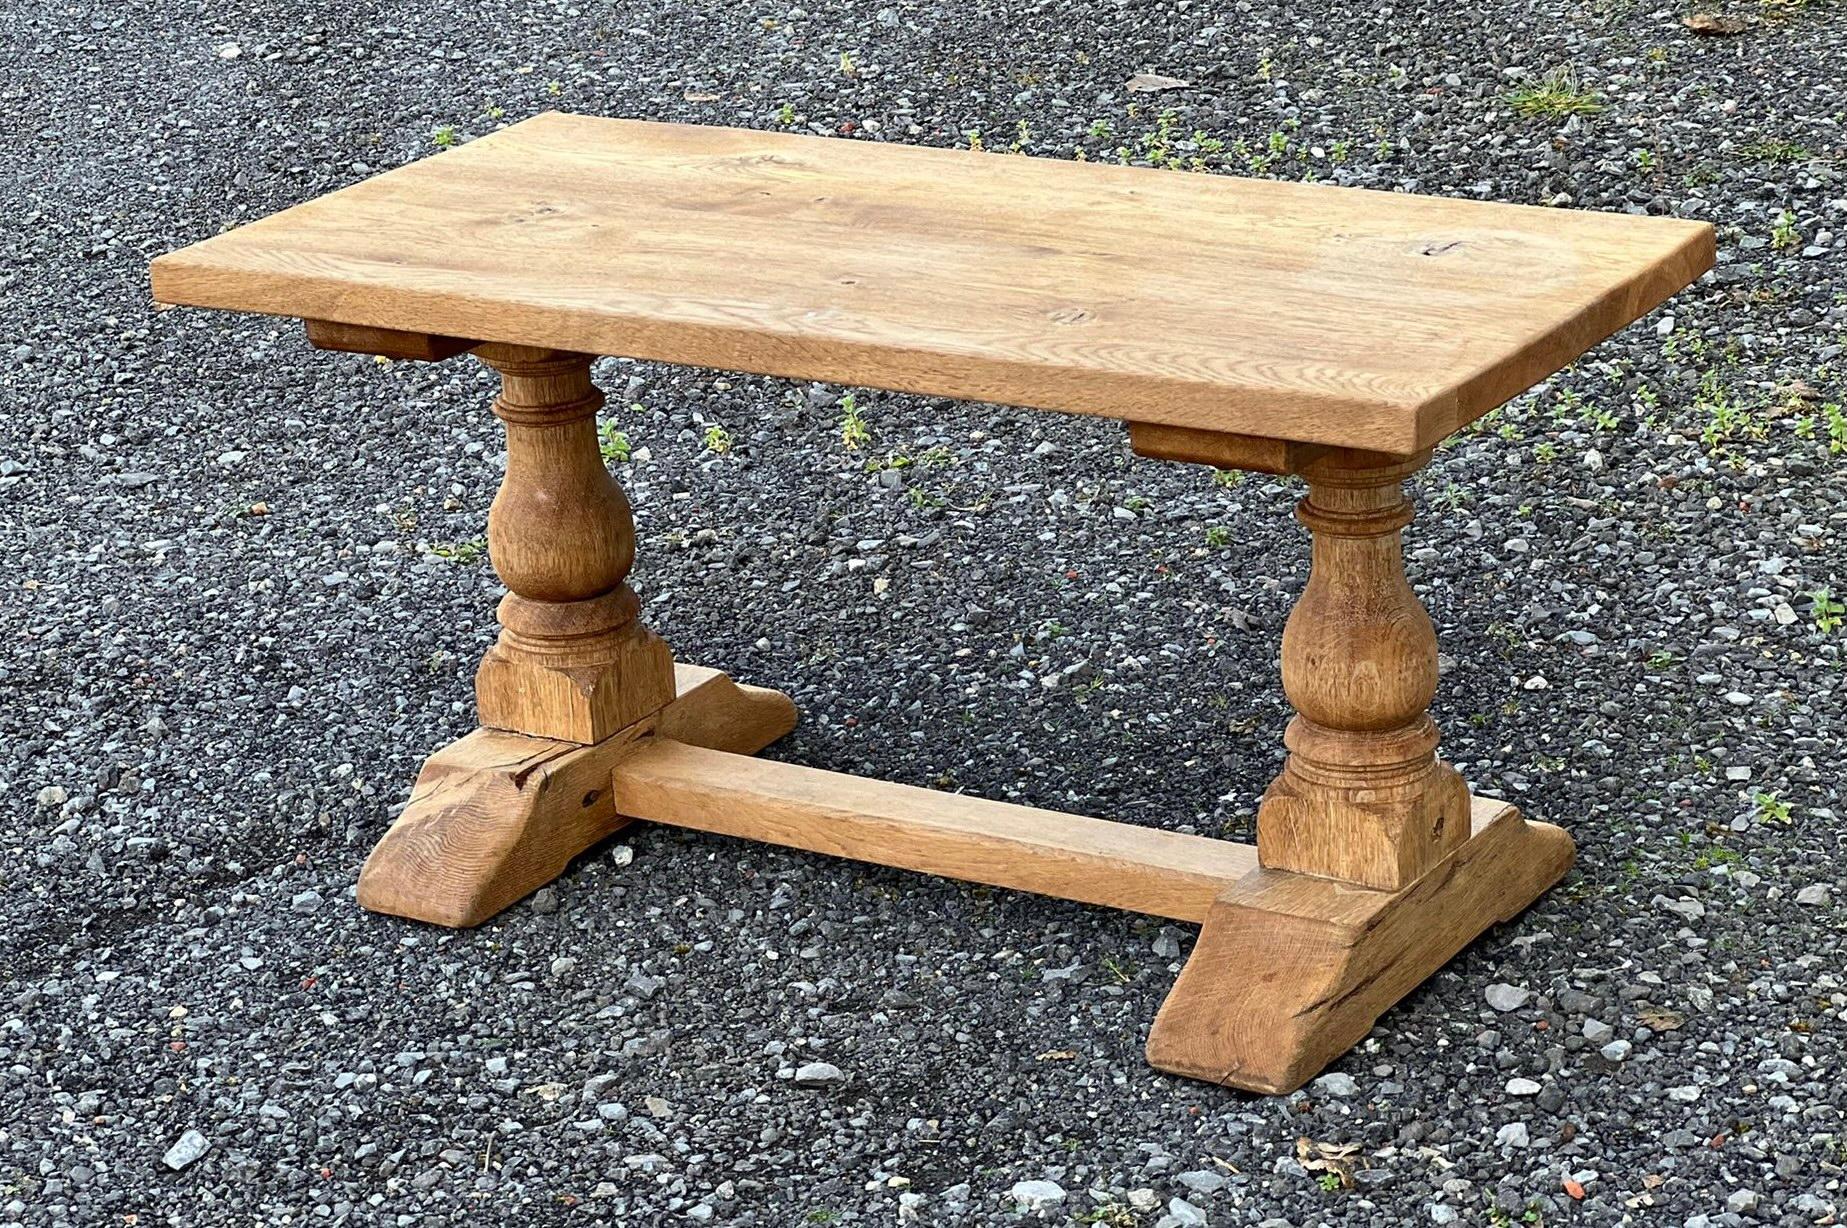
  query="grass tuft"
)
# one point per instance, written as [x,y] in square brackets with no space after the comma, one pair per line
[1555,97]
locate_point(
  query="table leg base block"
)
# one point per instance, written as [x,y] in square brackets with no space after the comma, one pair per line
[1292,970]
[576,701]
[496,815]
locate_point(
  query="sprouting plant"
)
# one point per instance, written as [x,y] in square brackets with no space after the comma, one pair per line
[1100,130]
[1836,420]
[612,443]
[1598,416]
[1784,235]
[1108,1214]
[849,67]
[1545,451]
[717,439]
[1774,149]
[1829,610]
[1555,96]
[443,137]
[1158,142]
[1329,1183]
[1716,855]
[1227,478]
[1770,806]
[1726,418]
[1218,536]
[471,551]
[785,115]
[1022,137]
[974,141]
[853,432]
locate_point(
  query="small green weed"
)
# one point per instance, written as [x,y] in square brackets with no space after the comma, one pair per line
[471,551]
[1836,420]
[1556,96]
[1715,855]
[1774,149]
[1108,1214]
[853,430]
[1770,807]
[613,444]
[1828,610]
[1784,235]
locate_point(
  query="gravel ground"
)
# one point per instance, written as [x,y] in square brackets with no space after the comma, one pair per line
[249,593]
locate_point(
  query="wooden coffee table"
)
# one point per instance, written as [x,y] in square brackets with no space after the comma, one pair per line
[1331,333]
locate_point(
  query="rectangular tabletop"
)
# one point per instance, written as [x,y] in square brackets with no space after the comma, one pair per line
[1327,315]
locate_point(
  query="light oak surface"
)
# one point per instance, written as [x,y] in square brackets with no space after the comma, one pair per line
[1166,874]
[1355,318]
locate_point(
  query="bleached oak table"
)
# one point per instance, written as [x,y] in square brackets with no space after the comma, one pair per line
[1326,332]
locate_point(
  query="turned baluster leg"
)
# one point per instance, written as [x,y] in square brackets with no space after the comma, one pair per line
[573,661]
[1376,865]
[1363,796]
[574,683]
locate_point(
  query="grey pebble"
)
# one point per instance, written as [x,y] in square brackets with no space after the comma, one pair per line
[1037,1196]
[1504,997]
[819,1074]
[186,1150]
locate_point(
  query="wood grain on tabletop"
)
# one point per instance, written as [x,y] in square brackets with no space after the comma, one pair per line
[1322,314]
